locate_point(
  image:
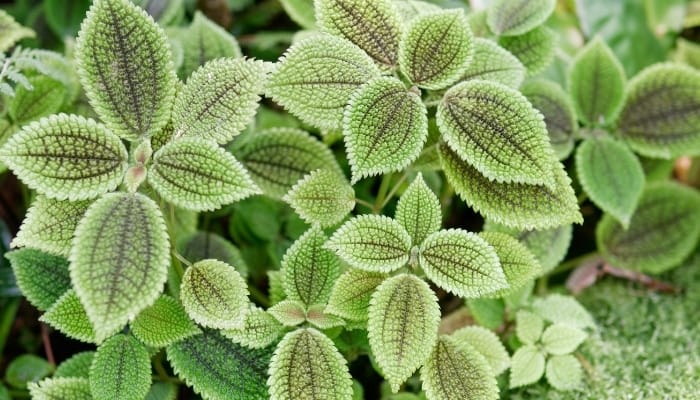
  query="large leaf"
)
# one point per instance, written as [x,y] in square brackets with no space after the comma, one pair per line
[403,321]
[492,62]
[66,157]
[564,372]
[527,366]
[119,259]
[535,49]
[68,316]
[418,210]
[487,344]
[519,264]
[260,329]
[515,17]
[125,66]
[323,197]
[352,292]
[45,97]
[385,127]
[41,277]
[121,370]
[163,323]
[61,389]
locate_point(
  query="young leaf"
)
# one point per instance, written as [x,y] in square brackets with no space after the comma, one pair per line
[163,323]
[663,230]
[317,317]
[119,260]
[66,157]
[403,322]
[560,339]
[462,263]
[457,371]
[301,12]
[528,327]
[288,312]
[61,389]
[77,366]
[202,245]
[418,210]
[323,197]
[316,77]
[560,309]
[515,17]
[125,66]
[44,98]
[307,365]
[611,175]
[492,62]
[661,116]
[121,370]
[373,243]
[69,317]
[260,329]
[11,32]
[564,372]
[351,294]
[41,277]
[527,366]
[498,132]
[487,344]
[214,295]
[519,264]
[385,127]
[535,49]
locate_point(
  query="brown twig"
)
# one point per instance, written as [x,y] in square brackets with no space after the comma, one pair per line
[47,344]
[590,271]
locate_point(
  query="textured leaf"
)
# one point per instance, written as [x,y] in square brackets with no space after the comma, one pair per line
[301,12]
[663,230]
[316,77]
[518,263]
[410,9]
[276,289]
[517,205]
[217,368]
[288,312]
[351,294]
[385,127]
[41,277]
[11,32]
[125,66]
[527,366]
[373,243]
[69,317]
[436,49]
[119,259]
[66,157]
[77,366]
[44,98]
[121,370]
[661,117]
[219,100]
[317,317]
[560,309]
[457,371]
[323,197]
[535,49]
[163,323]
[528,327]
[61,389]
[564,372]
[515,17]
[402,327]
[260,329]
[374,26]
[497,131]
[560,339]
[202,245]
[418,210]
[487,344]
[492,62]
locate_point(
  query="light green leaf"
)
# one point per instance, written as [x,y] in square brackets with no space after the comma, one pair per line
[385,127]
[663,230]
[163,323]
[560,339]
[489,313]
[41,277]
[276,289]
[496,130]
[11,32]
[515,17]
[260,329]
[163,391]
[198,175]
[661,117]
[165,12]
[528,327]
[307,365]
[408,10]
[518,263]
[77,366]
[288,312]
[125,66]
[418,210]
[492,62]
[535,49]
[66,157]
[44,98]
[69,317]
[564,372]
[457,371]
[119,260]
[560,309]
[323,197]
[301,12]
[317,317]
[27,368]
[121,370]
[203,245]
[527,366]
[61,389]
[403,322]
[487,344]
[351,294]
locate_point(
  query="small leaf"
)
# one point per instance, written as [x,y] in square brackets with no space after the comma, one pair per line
[46,97]
[492,62]
[77,366]
[288,312]
[351,294]
[515,17]
[418,210]
[316,316]
[260,329]
[560,309]
[528,327]
[535,49]
[385,128]
[163,323]
[487,344]
[61,389]
[121,370]
[323,197]
[25,369]
[11,32]
[41,277]
[403,322]
[527,366]
[518,263]
[560,339]
[66,157]
[69,317]
[564,372]
[202,245]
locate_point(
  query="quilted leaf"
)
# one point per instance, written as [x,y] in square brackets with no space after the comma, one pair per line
[61,389]
[418,210]
[487,344]
[121,370]
[535,49]
[492,62]
[351,294]
[66,157]
[301,12]
[45,97]
[403,322]
[119,260]
[385,127]
[77,366]
[564,372]
[288,312]
[163,323]
[41,277]
[519,264]
[528,327]
[260,329]
[11,32]
[317,317]
[322,197]
[515,17]
[527,366]
[68,316]
[557,308]
[560,339]
[202,245]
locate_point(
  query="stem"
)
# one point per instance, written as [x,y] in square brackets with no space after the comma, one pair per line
[47,344]
[158,366]
[364,203]
[393,191]
[381,194]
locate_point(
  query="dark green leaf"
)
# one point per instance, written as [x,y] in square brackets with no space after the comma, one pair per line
[44,98]
[202,245]
[27,368]
[163,323]
[68,316]
[41,277]
[492,62]
[121,370]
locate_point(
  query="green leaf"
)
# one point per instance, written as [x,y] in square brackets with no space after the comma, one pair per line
[219,100]
[301,12]
[66,157]
[217,368]
[11,32]
[69,317]
[214,295]
[288,312]
[373,26]
[25,369]
[162,391]
[611,175]
[373,243]
[203,245]
[44,98]
[498,132]
[527,366]
[518,263]
[535,49]
[121,370]
[41,277]
[307,365]
[418,210]
[560,309]
[487,344]
[163,323]
[490,313]
[125,66]
[663,230]
[61,389]
[564,372]
[515,17]
[119,260]
[661,116]
[560,339]
[77,366]
[514,204]
[315,78]
[408,10]
[260,329]
[64,18]
[528,327]
[436,48]
[457,371]
[492,62]
[385,128]
[351,294]
[165,12]
[323,197]
[317,317]
[403,322]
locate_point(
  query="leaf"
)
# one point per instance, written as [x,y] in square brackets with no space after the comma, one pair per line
[351,294]
[418,210]
[374,243]
[61,389]
[403,322]
[497,131]
[457,371]
[119,260]
[385,128]
[165,12]
[518,263]
[121,370]
[301,12]
[535,49]
[436,48]
[214,294]
[512,18]
[489,313]
[202,245]
[25,369]
[560,309]
[46,97]
[487,344]
[315,78]
[64,18]
[68,316]
[66,157]
[662,232]
[661,117]
[163,323]
[11,32]
[514,204]
[408,10]
[162,391]
[260,329]
[560,339]
[322,197]
[528,327]
[527,366]
[41,277]
[77,366]
[611,175]
[373,26]
[217,368]
[288,312]
[564,372]
[125,66]
[198,175]
[316,316]
[492,62]
[219,99]
[307,365]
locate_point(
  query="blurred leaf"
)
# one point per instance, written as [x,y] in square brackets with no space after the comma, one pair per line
[64,17]
[27,368]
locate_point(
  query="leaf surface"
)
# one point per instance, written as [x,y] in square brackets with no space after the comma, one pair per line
[77,366]
[535,49]
[68,316]
[288,312]
[418,210]
[492,62]
[560,339]
[121,370]
[515,17]
[519,264]
[203,41]
[61,389]
[203,245]
[351,294]
[260,329]
[564,372]
[557,308]
[322,197]
[487,344]
[41,277]
[528,327]
[527,366]
[44,98]
[163,323]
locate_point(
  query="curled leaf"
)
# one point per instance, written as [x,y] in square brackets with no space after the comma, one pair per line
[492,62]
[515,17]
[322,197]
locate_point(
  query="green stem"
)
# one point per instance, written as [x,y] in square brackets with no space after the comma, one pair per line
[393,191]
[381,194]
[364,203]
[158,366]
[7,317]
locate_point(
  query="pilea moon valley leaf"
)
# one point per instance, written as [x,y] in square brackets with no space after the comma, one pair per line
[419,211]
[323,197]
[120,370]
[41,277]
[492,62]
[515,17]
